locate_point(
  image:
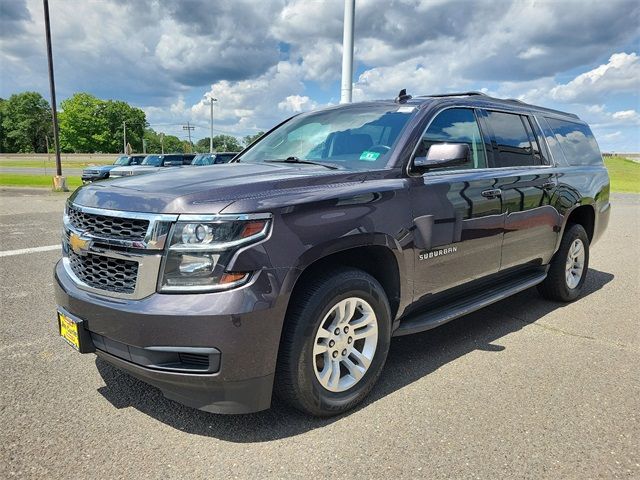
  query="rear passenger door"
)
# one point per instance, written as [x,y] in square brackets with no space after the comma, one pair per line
[525,183]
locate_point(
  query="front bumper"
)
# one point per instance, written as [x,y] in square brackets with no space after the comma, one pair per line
[243,324]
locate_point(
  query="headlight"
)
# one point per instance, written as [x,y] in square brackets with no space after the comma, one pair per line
[200,251]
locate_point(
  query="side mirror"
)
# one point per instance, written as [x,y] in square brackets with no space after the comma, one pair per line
[443,155]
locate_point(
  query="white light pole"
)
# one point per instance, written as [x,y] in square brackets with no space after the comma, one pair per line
[124,138]
[347,51]
[211,135]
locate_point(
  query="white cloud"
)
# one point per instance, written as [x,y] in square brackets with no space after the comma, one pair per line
[620,74]
[297,104]
[243,107]
[630,116]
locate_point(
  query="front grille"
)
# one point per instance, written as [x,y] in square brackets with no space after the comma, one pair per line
[106,273]
[109,227]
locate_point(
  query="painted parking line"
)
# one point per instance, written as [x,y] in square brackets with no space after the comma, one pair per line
[21,251]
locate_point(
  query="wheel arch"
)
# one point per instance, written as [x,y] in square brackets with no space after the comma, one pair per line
[378,258]
[584,215]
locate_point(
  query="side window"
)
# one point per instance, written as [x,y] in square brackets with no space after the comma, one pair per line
[552,142]
[456,125]
[576,141]
[512,140]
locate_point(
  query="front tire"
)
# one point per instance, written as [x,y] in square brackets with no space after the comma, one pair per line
[334,344]
[568,268]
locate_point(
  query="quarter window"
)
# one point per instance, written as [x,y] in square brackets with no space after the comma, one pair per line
[576,141]
[456,125]
[513,141]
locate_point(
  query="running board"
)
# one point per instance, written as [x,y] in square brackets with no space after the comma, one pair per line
[428,319]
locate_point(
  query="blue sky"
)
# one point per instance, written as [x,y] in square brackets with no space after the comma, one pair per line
[265,60]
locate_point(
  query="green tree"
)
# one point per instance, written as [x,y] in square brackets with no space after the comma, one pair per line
[221,143]
[116,112]
[89,124]
[173,144]
[152,141]
[26,121]
[249,139]
[82,124]
[3,138]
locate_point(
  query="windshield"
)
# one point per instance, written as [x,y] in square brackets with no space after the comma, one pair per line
[124,160]
[153,160]
[356,137]
[206,159]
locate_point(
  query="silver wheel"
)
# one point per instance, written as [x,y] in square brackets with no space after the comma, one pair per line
[345,344]
[575,263]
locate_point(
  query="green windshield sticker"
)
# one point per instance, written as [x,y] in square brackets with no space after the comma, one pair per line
[369,156]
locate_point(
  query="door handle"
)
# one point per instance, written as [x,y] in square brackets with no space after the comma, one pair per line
[549,185]
[492,193]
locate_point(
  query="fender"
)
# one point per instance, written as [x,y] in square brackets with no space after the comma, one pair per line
[567,214]
[359,240]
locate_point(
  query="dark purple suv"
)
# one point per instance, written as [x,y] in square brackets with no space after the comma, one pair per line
[288,270]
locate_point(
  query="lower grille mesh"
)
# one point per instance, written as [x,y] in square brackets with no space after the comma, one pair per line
[112,274]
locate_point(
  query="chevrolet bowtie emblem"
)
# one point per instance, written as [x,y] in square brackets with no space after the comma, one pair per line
[78,244]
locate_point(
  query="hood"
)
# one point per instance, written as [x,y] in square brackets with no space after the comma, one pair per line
[207,189]
[100,168]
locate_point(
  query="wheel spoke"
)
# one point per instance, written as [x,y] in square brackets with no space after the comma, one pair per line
[320,348]
[334,378]
[365,332]
[324,375]
[355,370]
[365,319]
[362,359]
[577,249]
[346,309]
[323,334]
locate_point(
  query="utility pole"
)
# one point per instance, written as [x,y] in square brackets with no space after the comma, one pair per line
[211,134]
[347,51]
[46,141]
[162,142]
[188,128]
[124,138]
[59,182]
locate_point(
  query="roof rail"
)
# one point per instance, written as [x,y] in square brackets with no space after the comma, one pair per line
[457,94]
[510,100]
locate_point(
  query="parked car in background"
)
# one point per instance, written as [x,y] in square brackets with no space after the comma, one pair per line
[154,163]
[93,173]
[289,270]
[213,158]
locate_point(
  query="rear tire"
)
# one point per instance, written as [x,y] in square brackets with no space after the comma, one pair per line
[568,268]
[334,343]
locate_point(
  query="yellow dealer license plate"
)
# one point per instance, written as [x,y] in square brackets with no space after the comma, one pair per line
[69,330]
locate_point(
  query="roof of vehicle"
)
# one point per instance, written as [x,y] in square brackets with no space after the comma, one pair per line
[475,99]
[482,99]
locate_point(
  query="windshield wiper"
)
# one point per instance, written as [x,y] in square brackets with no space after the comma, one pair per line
[307,162]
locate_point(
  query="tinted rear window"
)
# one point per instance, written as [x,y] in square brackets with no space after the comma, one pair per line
[576,141]
[513,139]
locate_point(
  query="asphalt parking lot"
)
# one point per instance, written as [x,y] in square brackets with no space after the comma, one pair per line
[523,389]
